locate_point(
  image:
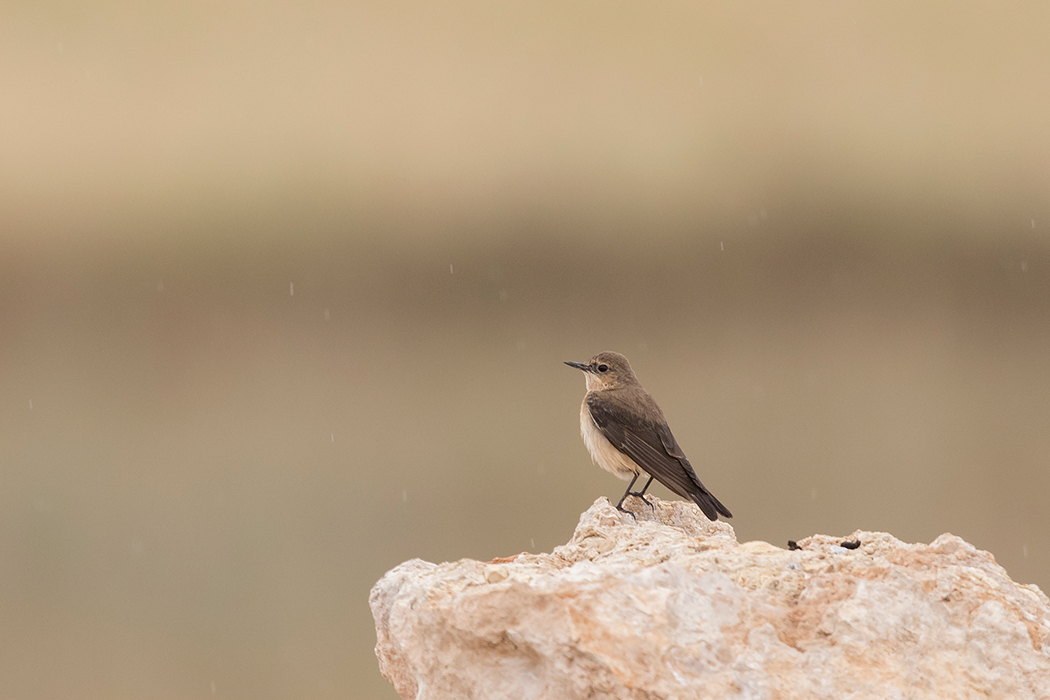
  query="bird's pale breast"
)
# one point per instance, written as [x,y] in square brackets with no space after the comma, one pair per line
[602,451]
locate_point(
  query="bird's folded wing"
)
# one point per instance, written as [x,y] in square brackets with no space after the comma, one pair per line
[668,470]
[643,443]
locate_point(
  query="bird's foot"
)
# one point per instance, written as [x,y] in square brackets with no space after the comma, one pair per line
[620,508]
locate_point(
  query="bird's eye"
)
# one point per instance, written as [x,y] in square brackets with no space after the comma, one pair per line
[603,368]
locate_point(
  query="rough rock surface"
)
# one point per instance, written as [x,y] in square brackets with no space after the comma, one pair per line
[672,606]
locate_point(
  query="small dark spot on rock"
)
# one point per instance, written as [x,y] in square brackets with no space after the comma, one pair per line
[793,545]
[850,545]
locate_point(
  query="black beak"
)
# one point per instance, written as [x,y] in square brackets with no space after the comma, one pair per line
[579,365]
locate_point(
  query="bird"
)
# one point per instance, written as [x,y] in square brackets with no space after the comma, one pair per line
[627,435]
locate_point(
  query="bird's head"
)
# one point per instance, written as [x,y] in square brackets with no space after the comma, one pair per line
[606,370]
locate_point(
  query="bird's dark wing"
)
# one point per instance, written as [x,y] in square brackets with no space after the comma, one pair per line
[652,447]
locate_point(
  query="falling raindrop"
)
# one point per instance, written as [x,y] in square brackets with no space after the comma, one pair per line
[327,315]
[291,289]
[722,245]
[532,542]
[1024,550]
[30,404]
[450,268]
[160,286]
[333,437]
[813,494]
[1024,266]
[213,687]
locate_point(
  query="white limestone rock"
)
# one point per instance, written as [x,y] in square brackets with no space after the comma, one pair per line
[672,606]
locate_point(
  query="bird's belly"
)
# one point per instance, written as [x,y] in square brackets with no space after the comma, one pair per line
[602,451]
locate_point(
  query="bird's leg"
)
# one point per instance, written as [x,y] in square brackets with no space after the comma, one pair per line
[641,494]
[619,506]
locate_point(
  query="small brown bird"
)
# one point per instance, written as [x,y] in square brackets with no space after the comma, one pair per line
[626,434]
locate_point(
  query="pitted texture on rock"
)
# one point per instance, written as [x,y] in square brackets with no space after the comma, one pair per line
[672,606]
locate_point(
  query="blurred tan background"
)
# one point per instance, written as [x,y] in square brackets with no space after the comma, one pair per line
[285,289]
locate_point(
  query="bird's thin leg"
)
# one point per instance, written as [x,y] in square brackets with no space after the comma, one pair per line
[641,494]
[619,506]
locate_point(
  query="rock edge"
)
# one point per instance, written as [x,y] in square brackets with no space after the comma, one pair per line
[672,606]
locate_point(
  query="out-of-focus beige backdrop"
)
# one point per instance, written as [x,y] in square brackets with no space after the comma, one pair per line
[285,289]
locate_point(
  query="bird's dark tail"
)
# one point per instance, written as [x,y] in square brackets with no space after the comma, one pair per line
[699,494]
[711,506]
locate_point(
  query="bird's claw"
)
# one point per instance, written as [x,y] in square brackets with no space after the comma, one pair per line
[624,510]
